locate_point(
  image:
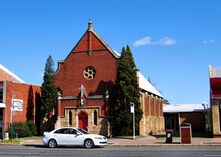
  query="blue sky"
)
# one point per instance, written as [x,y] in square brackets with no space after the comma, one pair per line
[173,42]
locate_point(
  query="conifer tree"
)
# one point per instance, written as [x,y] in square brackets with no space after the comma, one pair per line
[127,91]
[49,91]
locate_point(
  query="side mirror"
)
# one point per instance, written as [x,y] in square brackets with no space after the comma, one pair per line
[78,133]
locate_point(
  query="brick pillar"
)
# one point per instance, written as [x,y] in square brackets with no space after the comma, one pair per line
[142,122]
[215,117]
[58,122]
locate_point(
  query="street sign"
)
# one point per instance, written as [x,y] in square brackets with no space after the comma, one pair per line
[132,109]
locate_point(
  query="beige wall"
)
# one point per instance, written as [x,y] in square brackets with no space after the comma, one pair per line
[215,117]
[101,127]
[153,120]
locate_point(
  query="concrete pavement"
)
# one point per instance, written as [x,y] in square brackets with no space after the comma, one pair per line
[142,141]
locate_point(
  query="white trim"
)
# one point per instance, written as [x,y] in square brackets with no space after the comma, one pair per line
[115,54]
[2,105]
[11,73]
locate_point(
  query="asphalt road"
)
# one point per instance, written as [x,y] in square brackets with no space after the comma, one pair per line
[160,151]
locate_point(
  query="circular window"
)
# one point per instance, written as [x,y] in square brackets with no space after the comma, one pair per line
[89,72]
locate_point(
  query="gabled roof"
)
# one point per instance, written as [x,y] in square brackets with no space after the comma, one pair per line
[11,75]
[90,29]
[116,55]
[146,85]
[183,108]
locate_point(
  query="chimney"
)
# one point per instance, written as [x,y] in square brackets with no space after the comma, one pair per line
[90,25]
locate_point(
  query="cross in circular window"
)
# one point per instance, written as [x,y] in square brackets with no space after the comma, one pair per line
[89,72]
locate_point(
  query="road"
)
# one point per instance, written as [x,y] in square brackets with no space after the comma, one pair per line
[159,151]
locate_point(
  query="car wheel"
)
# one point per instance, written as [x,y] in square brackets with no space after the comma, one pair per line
[88,143]
[52,143]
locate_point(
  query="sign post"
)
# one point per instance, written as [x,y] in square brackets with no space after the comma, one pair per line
[132,106]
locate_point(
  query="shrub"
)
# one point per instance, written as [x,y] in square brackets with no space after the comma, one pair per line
[32,127]
[22,129]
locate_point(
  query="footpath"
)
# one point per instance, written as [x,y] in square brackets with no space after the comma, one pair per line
[144,141]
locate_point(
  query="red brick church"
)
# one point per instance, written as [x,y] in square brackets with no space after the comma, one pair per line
[85,82]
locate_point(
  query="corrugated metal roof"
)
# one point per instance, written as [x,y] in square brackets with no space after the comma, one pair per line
[146,85]
[182,108]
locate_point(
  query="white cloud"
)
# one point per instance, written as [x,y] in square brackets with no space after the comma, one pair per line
[167,41]
[144,41]
[148,41]
[208,41]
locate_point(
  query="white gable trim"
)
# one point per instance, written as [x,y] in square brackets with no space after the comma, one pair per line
[146,85]
[11,74]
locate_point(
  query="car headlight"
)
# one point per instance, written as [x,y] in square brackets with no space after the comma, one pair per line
[98,138]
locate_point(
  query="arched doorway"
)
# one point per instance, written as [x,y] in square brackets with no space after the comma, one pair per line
[82,120]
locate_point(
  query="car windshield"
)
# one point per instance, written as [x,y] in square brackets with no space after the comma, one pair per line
[83,131]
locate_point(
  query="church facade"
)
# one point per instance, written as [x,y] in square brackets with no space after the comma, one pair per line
[85,81]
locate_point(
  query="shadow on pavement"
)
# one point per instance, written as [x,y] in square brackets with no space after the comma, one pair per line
[43,146]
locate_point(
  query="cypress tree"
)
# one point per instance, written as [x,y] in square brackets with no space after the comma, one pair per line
[49,92]
[30,105]
[127,91]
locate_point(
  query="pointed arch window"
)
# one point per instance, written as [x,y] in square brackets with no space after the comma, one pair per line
[70,118]
[95,117]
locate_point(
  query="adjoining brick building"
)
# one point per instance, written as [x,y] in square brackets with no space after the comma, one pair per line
[85,81]
[176,115]
[215,99]
[16,99]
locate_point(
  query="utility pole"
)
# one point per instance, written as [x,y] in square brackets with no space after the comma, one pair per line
[132,106]
[11,113]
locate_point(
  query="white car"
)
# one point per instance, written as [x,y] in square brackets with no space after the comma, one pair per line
[72,137]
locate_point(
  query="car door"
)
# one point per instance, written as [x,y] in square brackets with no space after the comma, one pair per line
[62,136]
[74,137]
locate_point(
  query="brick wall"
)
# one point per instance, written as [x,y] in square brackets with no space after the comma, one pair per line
[69,77]
[19,91]
[196,119]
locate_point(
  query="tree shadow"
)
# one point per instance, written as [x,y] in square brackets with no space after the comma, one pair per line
[103,87]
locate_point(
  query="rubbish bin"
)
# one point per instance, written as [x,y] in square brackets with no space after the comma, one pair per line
[169,136]
[186,133]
